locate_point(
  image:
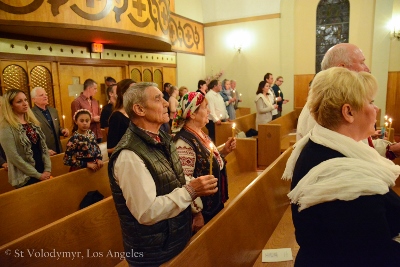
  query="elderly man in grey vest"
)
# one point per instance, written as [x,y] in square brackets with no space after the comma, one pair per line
[151,193]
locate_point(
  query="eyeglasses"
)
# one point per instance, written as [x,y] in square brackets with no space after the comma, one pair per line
[280,81]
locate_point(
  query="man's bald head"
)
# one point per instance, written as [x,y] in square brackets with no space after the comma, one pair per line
[345,55]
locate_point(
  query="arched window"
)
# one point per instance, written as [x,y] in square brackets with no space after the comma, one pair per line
[332,27]
[41,76]
[136,75]
[147,75]
[158,78]
[15,77]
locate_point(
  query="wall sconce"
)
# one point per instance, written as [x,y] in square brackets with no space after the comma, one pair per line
[238,47]
[396,34]
[394,26]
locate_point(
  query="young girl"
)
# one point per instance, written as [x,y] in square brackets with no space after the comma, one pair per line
[82,149]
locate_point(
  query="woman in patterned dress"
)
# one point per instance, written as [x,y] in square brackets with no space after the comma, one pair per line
[194,149]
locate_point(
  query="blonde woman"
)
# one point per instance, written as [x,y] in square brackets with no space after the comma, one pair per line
[183,90]
[23,141]
[344,210]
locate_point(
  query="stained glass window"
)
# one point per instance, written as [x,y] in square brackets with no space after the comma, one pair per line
[332,27]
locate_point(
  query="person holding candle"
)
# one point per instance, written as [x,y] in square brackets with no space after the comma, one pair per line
[218,112]
[198,154]
[278,93]
[343,208]
[264,106]
[49,120]
[87,101]
[151,193]
[236,94]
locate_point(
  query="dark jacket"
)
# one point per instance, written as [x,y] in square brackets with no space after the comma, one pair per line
[51,139]
[162,241]
[345,233]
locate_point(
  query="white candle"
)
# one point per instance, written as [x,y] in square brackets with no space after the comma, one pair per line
[233,129]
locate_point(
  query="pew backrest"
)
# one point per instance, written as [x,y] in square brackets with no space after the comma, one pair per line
[93,232]
[275,137]
[28,208]
[5,186]
[57,165]
[236,236]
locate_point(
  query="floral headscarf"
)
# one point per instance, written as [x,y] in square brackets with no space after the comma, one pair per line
[187,105]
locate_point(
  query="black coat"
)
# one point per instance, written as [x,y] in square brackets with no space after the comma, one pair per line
[345,233]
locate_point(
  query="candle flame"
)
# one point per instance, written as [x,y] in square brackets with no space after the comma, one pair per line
[386,124]
[390,120]
[233,125]
[63,117]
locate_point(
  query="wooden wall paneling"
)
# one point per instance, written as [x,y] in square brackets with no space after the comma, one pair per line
[301,83]
[169,75]
[393,99]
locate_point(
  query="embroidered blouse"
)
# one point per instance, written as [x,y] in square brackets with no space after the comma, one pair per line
[82,148]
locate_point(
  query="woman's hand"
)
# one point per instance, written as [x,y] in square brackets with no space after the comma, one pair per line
[198,222]
[92,165]
[99,163]
[5,166]
[52,152]
[45,176]
[230,145]
[204,185]
[275,106]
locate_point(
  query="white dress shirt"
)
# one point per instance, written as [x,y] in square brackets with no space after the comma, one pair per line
[139,191]
[217,106]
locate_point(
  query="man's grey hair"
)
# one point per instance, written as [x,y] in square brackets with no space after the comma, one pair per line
[336,56]
[135,95]
[34,91]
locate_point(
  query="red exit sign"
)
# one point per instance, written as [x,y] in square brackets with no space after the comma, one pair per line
[97,48]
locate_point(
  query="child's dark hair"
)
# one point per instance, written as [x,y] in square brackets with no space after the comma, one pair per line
[76,116]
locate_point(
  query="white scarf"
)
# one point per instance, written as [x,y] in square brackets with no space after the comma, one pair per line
[362,171]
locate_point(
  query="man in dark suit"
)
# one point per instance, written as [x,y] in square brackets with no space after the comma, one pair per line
[49,121]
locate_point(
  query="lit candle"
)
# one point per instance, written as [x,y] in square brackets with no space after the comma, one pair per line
[220,117]
[390,126]
[233,129]
[386,117]
[63,121]
[101,106]
[211,157]
[279,92]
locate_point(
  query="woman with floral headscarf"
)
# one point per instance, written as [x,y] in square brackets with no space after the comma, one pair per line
[194,148]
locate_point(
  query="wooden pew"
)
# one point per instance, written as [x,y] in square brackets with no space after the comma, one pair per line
[57,165]
[224,130]
[236,236]
[29,208]
[242,111]
[64,142]
[241,166]
[246,122]
[5,186]
[93,232]
[275,137]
